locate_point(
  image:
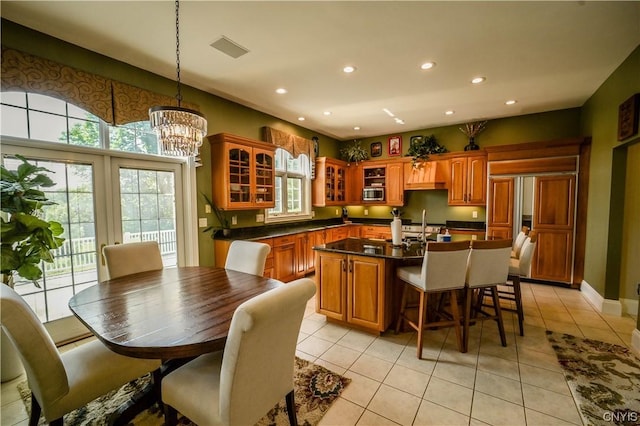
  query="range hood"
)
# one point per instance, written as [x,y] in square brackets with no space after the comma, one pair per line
[426,175]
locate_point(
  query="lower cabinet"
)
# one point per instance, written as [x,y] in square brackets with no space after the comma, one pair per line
[284,258]
[353,289]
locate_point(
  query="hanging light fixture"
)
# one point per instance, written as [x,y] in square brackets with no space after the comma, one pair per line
[179,130]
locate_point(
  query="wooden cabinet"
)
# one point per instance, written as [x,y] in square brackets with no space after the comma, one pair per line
[426,175]
[387,175]
[375,231]
[337,233]
[352,289]
[395,184]
[468,180]
[284,258]
[501,202]
[330,184]
[243,173]
[354,183]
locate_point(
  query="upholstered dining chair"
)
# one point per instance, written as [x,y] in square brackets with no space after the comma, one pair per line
[132,258]
[442,272]
[517,243]
[239,385]
[247,256]
[61,383]
[488,267]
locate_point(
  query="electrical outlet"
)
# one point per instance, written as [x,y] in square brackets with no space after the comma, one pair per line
[366,212]
[337,212]
[203,222]
[207,208]
[474,214]
[259,217]
[234,220]
[313,213]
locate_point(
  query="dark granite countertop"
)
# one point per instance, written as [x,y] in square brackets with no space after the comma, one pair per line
[373,248]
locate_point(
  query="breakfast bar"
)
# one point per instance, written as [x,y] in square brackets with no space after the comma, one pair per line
[355,279]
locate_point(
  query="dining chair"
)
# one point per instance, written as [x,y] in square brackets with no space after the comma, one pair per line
[488,267]
[61,383]
[239,385]
[247,256]
[517,243]
[442,272]
[132,258]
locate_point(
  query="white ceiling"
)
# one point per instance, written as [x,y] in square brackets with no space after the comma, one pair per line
[546,55]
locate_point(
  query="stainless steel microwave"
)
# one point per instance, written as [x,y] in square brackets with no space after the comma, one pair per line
[373,194]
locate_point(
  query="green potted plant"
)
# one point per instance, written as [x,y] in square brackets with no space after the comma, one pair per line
[26,238]
[222,219]
[353,153]
[421,147]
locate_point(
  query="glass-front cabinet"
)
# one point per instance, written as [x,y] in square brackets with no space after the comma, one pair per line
[242,172]
[330,184]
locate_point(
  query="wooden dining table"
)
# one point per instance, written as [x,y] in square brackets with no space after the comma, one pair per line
[167,314]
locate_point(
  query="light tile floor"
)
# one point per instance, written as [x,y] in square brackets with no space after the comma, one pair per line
[520,384]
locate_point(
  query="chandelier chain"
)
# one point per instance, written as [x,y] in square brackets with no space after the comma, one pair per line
[179,94]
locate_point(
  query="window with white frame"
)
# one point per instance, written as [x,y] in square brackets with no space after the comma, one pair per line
[293,188]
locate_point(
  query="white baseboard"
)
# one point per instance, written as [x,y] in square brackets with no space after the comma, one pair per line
[630,306]
[605,306]
[635,341]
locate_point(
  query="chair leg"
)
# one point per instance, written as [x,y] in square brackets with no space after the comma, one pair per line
[291,409]
[456,319]
[420,322]
[496,304]
[403,305]
[518,296]
[35,411]
[467,314]
[170,415]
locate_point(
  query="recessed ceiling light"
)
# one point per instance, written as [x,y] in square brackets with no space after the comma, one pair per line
[427,65]
[511,102]
[356,128]
[478,80]
[327,113]
[281,91]
[349,69]
[450,112]
[389,113]
[300,118]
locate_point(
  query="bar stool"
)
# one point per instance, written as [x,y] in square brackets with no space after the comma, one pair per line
[487,268]
[442,271]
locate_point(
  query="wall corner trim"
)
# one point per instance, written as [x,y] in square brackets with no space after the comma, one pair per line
[605,306]
[635,341]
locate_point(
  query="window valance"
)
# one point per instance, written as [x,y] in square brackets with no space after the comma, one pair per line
[113,101]
[294,145]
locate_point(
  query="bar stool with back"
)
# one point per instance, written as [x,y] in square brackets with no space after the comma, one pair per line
[442,271]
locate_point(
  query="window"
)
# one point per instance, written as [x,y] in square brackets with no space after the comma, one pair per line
[293,199]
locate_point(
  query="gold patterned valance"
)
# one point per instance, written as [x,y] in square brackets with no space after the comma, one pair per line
[295,145]
[113,101]
[24,72]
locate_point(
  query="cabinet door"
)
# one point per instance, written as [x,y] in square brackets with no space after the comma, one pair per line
[264,179]
[553,221]
[354,184]
[284,258]
[458,184]
[302,249]
[500,214]
[239,172]
[395,184]
[365,291]
[476,180]
[331,281]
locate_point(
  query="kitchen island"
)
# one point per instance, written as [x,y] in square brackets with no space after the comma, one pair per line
[355,278]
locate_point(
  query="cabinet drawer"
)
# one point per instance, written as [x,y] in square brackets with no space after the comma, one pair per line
[283,241]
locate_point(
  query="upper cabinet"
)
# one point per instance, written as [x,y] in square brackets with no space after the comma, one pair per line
[242,172]
[388,176]
[468,180]
[330,184]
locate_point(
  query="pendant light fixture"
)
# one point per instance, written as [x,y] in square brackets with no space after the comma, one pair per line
[179,130]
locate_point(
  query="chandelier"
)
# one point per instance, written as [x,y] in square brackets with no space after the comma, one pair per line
[179,130]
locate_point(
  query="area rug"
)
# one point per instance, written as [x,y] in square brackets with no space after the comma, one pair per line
[315,390]
[604,379]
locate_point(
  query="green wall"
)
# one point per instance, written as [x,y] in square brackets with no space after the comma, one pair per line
[599,119]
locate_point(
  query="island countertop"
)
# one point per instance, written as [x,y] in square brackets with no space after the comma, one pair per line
[373,248]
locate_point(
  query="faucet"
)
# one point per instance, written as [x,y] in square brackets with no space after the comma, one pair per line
[424,225]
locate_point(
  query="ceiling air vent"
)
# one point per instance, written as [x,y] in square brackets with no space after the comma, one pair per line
[229,47]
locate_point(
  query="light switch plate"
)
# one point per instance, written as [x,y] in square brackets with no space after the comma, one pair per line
[203,222]
[207,208]
[474,214]
[259,217]
[234,220]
